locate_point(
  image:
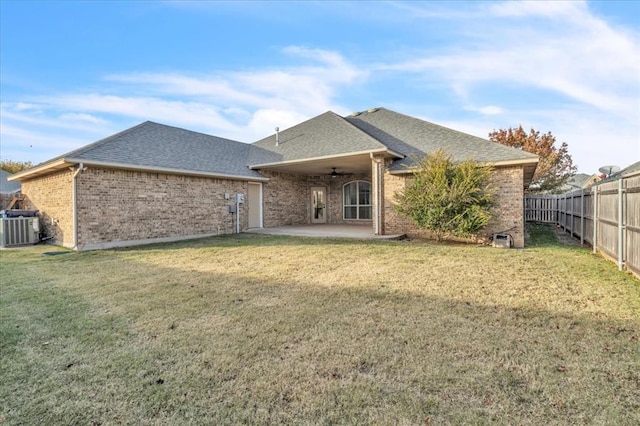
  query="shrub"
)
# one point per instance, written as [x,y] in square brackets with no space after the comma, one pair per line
[447,198]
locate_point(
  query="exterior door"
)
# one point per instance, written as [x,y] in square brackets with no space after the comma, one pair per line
[254,204]
[318,204]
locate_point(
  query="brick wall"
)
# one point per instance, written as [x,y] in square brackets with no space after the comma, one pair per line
[119,206]
[52,195]
[507,210]
[287,198]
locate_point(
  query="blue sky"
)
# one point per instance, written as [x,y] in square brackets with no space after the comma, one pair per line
[75,72]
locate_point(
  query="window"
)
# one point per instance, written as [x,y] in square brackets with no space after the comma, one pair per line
[357,200]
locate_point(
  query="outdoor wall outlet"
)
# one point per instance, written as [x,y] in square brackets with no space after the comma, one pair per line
[226,196]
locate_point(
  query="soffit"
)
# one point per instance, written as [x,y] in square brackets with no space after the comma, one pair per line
[356,164]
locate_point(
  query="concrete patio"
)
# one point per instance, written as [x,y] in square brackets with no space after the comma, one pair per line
[361,232]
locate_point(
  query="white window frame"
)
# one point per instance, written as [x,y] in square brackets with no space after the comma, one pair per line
[357,205]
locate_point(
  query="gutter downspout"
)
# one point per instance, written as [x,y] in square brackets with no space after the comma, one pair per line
[74,203]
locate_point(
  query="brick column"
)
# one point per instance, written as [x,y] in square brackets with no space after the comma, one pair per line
[377,189]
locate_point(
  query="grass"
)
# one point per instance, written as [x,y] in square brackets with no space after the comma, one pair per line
[257,329]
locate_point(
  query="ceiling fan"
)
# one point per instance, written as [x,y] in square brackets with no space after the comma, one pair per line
[335,174]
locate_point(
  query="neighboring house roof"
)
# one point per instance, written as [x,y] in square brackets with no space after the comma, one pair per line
[627,171]
[7,187]
[157,147]
[414,137]
[580,180]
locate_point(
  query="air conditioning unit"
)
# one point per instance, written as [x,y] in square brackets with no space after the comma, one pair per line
[16,231]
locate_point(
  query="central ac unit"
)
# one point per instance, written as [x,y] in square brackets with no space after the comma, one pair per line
[15,231]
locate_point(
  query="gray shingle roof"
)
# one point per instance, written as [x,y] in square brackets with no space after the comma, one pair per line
[7,187]
[156,145]
[414,137]
[631,169]
[325,135]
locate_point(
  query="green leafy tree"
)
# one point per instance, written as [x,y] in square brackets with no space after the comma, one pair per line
[447,198]
[555,167]
[12,167]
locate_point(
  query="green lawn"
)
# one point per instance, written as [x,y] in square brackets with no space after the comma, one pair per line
[258,329]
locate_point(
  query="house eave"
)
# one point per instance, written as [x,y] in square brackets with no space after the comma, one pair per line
[528,164]
[40,170]
[168,170]
[387,152]
[66,162]
[503,163]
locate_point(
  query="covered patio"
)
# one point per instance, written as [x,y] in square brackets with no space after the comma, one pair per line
[361,232]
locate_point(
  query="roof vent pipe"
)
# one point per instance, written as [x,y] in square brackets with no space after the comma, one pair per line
[277,136]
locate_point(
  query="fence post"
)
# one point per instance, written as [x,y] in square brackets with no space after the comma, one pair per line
[595,219]
[620,224]
[582,217]
[573,215]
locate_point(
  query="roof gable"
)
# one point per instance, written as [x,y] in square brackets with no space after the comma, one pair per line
[154,146]
[415,137]
[326,135]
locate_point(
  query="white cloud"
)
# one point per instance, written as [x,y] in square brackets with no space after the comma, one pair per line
[487,110]
[305,88]
[572,53]
[82,118]
[272,118]
[23,106]
[188,113]
[42,115]
[557,67]
[547,9]
[244,106]
[41,144]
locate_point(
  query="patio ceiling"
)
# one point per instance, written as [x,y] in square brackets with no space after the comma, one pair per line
[356,164]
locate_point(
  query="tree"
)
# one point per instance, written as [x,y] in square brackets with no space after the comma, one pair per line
[12,167]
[555,167]
[447,198]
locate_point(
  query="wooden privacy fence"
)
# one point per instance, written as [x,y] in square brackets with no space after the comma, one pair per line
[614,208]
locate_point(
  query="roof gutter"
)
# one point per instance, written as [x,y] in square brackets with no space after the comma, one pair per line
[169,170]
[34,170]
[63,161]
[486,163]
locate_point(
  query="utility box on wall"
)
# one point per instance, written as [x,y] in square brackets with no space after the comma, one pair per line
[502,241]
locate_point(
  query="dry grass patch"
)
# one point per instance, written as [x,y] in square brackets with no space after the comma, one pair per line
[256,329]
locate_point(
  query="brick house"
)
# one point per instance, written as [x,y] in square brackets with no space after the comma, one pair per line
[155,183]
